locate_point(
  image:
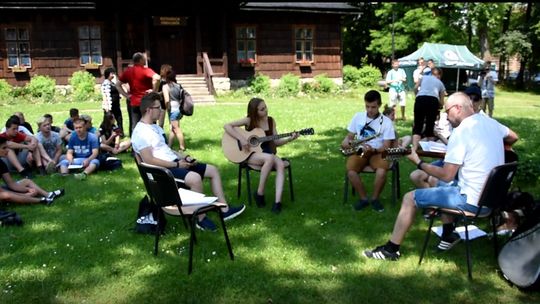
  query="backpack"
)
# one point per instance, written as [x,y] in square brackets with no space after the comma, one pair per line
[147,216]
[186,104]
[108,162]
[10,218]
[519,258]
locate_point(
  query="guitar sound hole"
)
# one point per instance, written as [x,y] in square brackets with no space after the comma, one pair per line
[253,141]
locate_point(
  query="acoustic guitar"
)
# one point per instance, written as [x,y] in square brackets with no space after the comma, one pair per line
[391,154]
[356,146]
[234,151]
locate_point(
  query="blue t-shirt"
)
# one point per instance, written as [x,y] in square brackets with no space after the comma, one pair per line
[83,148]
[69,124]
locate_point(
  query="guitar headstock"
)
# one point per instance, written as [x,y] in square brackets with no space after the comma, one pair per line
[392,154]
[308,131]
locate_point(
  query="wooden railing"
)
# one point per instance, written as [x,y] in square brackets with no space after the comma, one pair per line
[208,72]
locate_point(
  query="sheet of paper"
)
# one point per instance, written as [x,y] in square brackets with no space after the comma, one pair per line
[474,232]
[74,167]
[432,146]
[195,198]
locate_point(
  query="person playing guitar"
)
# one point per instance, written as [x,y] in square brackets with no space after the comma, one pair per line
[257,117]
[364,125]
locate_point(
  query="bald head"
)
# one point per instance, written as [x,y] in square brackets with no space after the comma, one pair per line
[458,107]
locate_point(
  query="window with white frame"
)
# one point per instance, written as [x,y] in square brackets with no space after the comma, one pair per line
[246,44]
[304,44]
[90,45]
[18,47]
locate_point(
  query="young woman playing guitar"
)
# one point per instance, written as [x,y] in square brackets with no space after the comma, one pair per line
[257,117]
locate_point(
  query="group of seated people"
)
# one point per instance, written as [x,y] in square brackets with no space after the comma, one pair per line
[54,149]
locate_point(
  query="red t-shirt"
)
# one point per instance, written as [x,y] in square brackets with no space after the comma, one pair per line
[19,138]
[140,81]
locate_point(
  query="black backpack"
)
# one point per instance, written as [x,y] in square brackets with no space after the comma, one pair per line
[10,218]
[519,259]
[147,216]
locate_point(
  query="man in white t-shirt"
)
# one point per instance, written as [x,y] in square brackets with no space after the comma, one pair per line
[474,149]
[369,124]
[148,141]
[395,79]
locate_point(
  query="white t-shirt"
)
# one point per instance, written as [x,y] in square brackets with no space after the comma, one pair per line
[431,86]
[364,126]
[477,146]
[146,135]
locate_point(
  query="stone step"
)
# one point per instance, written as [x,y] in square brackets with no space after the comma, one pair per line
[196,86]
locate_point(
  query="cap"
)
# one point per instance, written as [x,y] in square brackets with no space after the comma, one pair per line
[473,90]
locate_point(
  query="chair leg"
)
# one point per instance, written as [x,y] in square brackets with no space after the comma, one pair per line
[229,247]
[239,186]
[291,182]
[345,189]
[398,186]
[426,240]
[248,184]
[468,250]
[156,241]
[393,184]
[495,241]
[191,244]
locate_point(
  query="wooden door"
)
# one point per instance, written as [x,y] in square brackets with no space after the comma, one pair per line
[168,48]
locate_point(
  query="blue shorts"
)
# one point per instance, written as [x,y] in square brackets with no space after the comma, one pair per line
[181,173]
[445,197]
[176,115]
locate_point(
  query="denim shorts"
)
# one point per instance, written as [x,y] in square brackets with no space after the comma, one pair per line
[445,197]
[79,161]
[176,115]
[181,173]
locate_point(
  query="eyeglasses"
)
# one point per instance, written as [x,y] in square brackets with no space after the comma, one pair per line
[448,110]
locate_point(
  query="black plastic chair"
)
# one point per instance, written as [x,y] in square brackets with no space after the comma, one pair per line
[493,196]
[396,188]
[243,166]
[162,188]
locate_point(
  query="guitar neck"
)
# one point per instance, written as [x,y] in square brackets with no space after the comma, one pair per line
[273,137]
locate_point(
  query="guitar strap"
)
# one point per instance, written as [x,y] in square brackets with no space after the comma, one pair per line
[366,125]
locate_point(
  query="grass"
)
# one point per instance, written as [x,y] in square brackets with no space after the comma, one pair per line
[82,249]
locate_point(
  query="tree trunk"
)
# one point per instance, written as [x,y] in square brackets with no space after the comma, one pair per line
[505,26]
[484,43]
[524,59]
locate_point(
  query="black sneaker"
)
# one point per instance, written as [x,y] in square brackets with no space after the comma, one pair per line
[206,224]
[377,206]
[380,253]
[259,199]
[47,201]
[276,208]
[361,204]
[233,212]
[449,242]
[56,193]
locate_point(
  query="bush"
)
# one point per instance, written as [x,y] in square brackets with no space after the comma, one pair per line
[41,87]
[307,88]
[351,76]
[82,84]
[369,75]
[260,84]
[5,89]
[289,85]
[323,84]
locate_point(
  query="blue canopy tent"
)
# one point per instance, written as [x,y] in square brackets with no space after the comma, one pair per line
[458,58]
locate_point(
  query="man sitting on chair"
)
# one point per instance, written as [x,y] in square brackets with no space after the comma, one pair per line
[362,126]
[474,149]
[149,142]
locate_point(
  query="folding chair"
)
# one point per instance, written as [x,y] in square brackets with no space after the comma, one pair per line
[396,189]
[163,190]
[493,197]
[244,166]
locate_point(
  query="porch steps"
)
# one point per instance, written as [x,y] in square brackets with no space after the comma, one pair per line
[196,86]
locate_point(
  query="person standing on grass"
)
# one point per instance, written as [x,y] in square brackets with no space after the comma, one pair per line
[364,125]
[474,149]
[111,97]
[172,95]
[257,117]
[24,191]
[148,142]
[487,80]
[83,149]
[141,80]
[395,79]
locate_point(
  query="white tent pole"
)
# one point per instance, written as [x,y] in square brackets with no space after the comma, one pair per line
[457,82]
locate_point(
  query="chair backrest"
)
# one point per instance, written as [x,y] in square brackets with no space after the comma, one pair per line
[160,185]
[497,185]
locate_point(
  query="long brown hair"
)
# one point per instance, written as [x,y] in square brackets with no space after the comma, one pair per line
[253,112]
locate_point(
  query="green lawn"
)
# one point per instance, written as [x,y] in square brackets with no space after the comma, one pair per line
[82,249]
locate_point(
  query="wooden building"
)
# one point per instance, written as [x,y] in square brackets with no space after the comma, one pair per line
[232,40]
